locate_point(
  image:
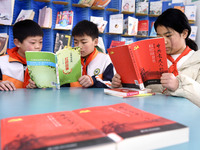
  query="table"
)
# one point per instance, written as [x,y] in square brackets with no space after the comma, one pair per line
[36,101]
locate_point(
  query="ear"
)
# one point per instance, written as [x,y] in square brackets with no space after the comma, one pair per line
[96,41]
[17,42]
[185,33]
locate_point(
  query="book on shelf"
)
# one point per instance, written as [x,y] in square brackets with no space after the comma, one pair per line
[64,20]
[6,11]
[126,92]
[155,8]
[190,12]
[100,22]
[181,8]
[193,33]
[128,6]
[86,2]
[116,23]
[153,31]
[116,43]
[45,17]
[101,3]
[50,70]
[119,126]
[25,14]
[3,43]
[143,27]
[142,7]
[62,41]
[130,26]
[100,46]
[140,63]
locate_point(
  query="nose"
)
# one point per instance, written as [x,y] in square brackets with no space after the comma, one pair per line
[165,40]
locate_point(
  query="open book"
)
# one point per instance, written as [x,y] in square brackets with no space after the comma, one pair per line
[140,63]
[120,126]
[48,69]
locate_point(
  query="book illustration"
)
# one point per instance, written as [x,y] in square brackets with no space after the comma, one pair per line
[62,41]
[155,8]
[25,14]
[80,128]
[128,6]
[101,3]
[116,24]
[49,70]
[3,43]
[101,24]
[140,63]
[6,11]
[64,20]
[86,2]
[142,7]
[193,33]
[116,43]
[143,27]
[45,17]
[130,26]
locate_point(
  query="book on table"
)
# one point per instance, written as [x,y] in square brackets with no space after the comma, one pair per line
[50,70]
[119,126]
[140,63]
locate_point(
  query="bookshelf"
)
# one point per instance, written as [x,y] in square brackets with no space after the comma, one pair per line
[81,12]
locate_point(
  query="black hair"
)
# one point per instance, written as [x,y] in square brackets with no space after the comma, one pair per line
[85,27]
[26,28]
[177,20]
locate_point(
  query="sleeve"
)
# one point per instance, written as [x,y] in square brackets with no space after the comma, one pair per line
[188,88]
[105,81]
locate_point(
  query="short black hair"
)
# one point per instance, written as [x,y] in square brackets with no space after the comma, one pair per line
[177,20]
[85,27]
[26,28]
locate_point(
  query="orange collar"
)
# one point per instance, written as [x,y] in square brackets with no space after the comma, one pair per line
[14,56]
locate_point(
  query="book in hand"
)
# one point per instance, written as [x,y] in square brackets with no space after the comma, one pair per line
[3,43]
[119,126]
[25,14]
[45,17]
[140,63]
[126,92]
[62,41]
[50,70]
[64,20]
[116,43]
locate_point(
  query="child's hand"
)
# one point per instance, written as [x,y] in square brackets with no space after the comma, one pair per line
[7,86]
[116,81]
[31,84]
[169,81]
[85,81]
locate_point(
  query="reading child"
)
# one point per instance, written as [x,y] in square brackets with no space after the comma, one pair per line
[28,36]
[183,78]
[97,69]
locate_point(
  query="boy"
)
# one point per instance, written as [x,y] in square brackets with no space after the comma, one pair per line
[97,69]
[28,36]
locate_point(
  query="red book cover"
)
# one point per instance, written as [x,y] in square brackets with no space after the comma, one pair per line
[61,130]
[140,63]
[143,27]
[116,43]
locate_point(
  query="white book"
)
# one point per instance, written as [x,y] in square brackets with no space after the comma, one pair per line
[128,5]
[190,12]
[25,14]
[193,33]
[142,6]
[130,26]
[100,22]
[116,23]
[155,8]
[6,11]
[45,17]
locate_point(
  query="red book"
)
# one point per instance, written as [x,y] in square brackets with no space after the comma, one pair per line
[143,27]
[140,63]
[92,128]
[116,43]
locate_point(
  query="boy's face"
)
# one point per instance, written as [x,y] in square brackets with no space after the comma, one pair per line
[31,43]
[86,43]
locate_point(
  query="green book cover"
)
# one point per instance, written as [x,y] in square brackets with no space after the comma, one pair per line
[50,70]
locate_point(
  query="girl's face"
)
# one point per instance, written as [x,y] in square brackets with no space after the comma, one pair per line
[174,41]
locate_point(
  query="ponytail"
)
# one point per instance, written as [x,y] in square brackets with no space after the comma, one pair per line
[191,44]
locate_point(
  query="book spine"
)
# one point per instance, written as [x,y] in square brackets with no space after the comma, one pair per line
[137,71]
